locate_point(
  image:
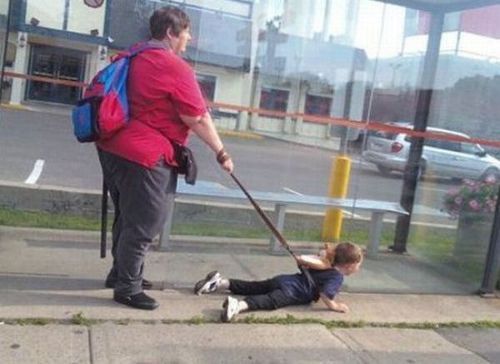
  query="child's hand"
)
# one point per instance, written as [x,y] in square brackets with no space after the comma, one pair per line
[342,307]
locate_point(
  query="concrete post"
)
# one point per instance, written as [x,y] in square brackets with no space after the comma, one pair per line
[20,66]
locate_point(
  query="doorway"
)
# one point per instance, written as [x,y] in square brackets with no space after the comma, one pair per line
[59,64]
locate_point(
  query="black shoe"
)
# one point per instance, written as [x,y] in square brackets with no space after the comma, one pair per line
[146,285]
[139,300]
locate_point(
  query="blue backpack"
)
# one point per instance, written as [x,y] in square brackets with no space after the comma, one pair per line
[104,110]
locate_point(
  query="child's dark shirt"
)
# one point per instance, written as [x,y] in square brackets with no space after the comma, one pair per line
[295,285]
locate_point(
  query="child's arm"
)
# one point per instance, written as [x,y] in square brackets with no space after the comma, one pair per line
[313,262]
[333,305]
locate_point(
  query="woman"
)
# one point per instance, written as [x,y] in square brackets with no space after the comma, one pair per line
[165,104]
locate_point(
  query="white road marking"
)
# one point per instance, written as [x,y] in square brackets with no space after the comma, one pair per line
[292,191]
[36,172]
[349,213]
[344,212]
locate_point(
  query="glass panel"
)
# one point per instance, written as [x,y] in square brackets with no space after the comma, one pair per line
[295,88]
[466,76]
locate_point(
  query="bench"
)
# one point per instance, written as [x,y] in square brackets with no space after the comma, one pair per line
[215,191]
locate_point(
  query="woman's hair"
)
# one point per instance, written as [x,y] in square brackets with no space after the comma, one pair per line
[165,18]
[343,253]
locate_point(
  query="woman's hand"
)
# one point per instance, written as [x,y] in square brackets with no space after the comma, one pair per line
[228,165]
[225,160]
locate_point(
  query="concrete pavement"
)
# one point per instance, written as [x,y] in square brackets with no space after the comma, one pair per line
[55,278]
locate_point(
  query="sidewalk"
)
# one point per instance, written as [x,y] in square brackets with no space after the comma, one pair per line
[56,277]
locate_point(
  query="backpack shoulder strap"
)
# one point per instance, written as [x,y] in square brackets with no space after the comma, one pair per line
[137,48]
[143,46]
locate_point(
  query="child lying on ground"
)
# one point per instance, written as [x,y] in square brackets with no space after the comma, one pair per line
[327,269]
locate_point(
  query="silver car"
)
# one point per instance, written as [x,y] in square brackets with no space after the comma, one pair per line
[440,158]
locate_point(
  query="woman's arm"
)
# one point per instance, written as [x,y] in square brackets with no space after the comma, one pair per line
[204,127]
[333,305]
[314,262]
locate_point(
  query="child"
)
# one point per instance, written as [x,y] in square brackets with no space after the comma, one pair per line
[327,269]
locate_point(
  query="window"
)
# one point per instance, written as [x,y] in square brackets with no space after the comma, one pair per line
[207,85]
[434,143]
[274,99]
[385,135]
[318,105]
[452,22]
[443,144]
[448,145]
[471,148]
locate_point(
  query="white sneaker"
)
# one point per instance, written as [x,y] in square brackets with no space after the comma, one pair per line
[209,284]
[230,309]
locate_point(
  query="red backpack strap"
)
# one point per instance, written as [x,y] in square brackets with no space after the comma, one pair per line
[137,48]
[143,46]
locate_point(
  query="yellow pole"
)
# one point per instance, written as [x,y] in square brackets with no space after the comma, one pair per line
[337,188]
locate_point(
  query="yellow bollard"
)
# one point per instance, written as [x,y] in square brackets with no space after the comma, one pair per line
[338,185]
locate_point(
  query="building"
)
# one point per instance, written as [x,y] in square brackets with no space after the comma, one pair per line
[55,48]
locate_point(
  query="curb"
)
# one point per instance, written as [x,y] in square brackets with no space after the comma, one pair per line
[13,107]
[240,134]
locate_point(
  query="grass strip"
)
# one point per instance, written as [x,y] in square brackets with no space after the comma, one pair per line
[81,320]
[434,244]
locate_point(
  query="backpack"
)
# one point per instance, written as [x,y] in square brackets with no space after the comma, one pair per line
[104,110]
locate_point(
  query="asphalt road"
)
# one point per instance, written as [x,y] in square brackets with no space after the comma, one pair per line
[39,147]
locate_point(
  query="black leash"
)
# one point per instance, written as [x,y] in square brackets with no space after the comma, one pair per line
[264,217]
[278,236]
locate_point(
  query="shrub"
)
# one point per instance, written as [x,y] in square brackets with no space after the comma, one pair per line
[472,196]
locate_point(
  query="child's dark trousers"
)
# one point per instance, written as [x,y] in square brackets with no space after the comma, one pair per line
[263,295]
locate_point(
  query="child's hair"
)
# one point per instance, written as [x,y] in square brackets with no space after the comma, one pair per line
[343,253]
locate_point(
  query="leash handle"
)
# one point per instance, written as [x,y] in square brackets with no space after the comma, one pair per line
[264,217]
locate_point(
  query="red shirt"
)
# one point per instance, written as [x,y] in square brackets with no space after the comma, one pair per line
[161,87]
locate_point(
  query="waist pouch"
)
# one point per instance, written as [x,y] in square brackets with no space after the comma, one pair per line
[186,164]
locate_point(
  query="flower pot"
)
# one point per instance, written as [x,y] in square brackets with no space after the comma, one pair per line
[473,237]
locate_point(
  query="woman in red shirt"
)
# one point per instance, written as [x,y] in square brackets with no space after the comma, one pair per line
[138,162]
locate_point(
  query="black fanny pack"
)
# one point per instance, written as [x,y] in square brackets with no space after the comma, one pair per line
[185,162]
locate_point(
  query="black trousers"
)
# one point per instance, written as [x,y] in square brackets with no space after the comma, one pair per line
[263,295]
[139,196]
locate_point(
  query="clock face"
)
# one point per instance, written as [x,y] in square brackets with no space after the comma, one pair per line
[94,3]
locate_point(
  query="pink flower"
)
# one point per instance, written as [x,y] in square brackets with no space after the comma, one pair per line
[474,205]
[490,180]
[458,200]
[469,182]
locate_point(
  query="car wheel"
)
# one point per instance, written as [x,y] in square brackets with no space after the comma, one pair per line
[384,170]
[491,173]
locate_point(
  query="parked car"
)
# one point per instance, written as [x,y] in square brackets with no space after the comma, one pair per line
[440,158]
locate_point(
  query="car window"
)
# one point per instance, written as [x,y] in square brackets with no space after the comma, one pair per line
[448,145]
[432,143]
[443,144]
[385,135]
[470,148]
